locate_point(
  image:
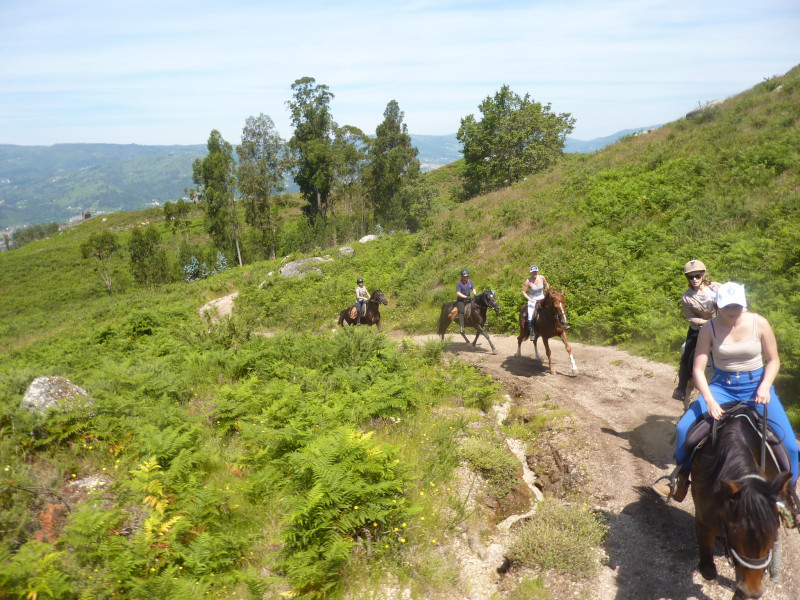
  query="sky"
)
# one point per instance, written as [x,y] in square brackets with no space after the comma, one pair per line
[169,72]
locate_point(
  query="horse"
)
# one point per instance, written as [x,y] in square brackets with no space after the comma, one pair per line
[550,321]
[372,316]
[736,501]
[475,317]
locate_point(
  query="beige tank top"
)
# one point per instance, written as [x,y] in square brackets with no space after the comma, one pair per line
[737,356]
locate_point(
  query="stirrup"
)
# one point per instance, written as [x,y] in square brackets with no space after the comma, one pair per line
[671,482]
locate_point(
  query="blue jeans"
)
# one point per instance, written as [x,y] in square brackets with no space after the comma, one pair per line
[728,388]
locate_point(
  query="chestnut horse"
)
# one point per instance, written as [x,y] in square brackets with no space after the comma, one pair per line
[550,321]
[735,500]
[373,314]
[475,317]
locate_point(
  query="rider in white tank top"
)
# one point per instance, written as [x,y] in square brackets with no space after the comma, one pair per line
[737,356]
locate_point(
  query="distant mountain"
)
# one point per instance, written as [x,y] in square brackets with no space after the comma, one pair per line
[45,184]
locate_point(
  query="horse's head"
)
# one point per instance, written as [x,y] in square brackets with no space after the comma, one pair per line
[488,300]
[750,519]
[554,299]
[377,296]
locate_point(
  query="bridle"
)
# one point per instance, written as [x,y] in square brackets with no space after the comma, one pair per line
[730,552]
[487,306]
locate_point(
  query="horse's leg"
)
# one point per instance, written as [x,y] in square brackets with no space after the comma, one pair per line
[488,339]
[569,351]
[536,350]
[705,543]
[546,343]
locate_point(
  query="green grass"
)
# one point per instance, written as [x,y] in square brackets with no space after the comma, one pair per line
[563,537]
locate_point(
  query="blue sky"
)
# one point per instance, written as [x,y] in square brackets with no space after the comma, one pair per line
[168,72]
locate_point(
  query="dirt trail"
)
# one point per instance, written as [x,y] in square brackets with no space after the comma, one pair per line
[625,425]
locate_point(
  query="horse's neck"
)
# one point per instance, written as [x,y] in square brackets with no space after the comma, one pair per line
[735,456]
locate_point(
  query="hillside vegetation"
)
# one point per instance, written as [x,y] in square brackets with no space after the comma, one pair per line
[266,454]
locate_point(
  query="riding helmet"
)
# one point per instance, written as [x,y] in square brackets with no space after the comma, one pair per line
[464,273]
[359,280]
[534,269]
[694,266]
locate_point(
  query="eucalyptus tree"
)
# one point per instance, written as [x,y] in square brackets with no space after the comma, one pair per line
[395,188]
[516,137]
[101,246]
[312,144]
[351,147]
[215,177]
[263,162]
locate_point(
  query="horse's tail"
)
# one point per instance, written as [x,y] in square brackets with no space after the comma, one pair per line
[444,320]
[341,317]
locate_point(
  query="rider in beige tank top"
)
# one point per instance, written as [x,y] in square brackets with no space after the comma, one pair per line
[738,356]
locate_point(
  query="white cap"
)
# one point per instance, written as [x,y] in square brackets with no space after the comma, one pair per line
[731,293]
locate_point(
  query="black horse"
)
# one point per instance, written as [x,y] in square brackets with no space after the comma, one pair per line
[475,317]
[372,316]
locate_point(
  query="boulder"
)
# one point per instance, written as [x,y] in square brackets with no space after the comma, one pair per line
[346,251]
[368,238]
[299,268]
[44,392]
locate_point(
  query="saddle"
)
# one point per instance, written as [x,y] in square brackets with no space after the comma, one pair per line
[706,429]
[453,314]
[354,311]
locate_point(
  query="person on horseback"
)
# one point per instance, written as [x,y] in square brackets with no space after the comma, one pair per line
[745,365]
[533,290]
[698,306]
[362,295]
[464,289]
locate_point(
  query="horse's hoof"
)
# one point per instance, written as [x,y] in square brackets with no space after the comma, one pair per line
[709,572]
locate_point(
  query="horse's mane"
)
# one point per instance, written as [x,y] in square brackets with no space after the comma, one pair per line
[733,461]
[551,296]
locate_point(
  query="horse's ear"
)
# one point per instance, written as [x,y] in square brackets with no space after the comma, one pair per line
[732,487]
[779,483]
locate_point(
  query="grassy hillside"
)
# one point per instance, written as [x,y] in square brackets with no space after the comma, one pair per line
[264,453]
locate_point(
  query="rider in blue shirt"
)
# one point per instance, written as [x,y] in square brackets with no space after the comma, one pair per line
[464,289]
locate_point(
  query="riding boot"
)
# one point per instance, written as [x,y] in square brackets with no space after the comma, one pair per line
[676,489]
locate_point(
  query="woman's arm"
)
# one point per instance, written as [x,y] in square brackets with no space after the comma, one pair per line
[769,347]
[699,372]
[546,285]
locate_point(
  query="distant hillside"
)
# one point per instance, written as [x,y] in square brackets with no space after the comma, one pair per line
[44,184]
[41,184]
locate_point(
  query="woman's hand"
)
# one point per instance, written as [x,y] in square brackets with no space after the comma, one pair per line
[762,394]
[714,409]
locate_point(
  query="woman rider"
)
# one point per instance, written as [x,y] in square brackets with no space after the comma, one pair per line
[362,295]
[533,290]
[745,365]
[698,306]
[464,288]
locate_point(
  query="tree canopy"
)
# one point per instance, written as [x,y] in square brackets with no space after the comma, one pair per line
[516,137]
[312,144]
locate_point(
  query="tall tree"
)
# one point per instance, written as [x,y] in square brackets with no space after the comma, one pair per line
[215,177]
[395,189]
[101,246]
[312,144]
[516,137]
[351,147]
[263,163]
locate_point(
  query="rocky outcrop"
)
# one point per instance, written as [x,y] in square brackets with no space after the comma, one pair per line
[46,392]
[299,268]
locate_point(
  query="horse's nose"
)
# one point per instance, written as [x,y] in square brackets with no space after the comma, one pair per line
[751,585]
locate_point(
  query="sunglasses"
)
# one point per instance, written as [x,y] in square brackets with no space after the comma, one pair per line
[696,276]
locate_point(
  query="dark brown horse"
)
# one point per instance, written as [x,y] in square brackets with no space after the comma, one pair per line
[475,317]
[550,321]
[736,501]
[373,314]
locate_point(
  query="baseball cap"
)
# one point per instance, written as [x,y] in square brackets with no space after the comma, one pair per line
[731,293]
